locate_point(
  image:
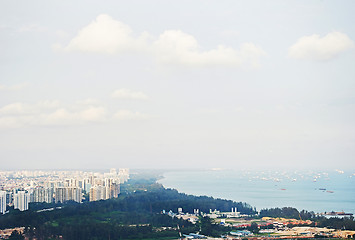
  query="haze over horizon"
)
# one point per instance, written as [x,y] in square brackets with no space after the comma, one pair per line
[177,84]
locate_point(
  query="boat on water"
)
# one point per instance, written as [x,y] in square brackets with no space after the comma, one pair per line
[341,214]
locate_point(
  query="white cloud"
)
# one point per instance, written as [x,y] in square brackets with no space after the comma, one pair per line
[53,113]
[60,116]
[128,94]
[47,104]
[63,116]
[104,35]
[13,87]
[14,109]
[15,121]
[319,48]
[49,113]
[93,114]
[27,109]
[129,115]
[108,36]
[177,47]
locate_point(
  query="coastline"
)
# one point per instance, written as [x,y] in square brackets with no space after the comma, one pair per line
[331,192]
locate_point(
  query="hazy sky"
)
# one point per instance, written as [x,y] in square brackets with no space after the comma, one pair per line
[167,84]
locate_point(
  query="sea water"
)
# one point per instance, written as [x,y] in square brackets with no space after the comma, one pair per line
[308,190]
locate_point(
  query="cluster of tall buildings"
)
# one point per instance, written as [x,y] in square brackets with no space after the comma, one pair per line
[63,194]
[41,194]
[109,189]
[109,186]
[58,187]
[18,199]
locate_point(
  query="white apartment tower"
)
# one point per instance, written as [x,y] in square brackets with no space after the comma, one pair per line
[2,202]
[21,200]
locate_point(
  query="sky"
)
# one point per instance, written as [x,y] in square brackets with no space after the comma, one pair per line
[177,84]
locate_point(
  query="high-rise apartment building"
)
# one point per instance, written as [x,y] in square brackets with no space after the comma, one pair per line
[105,190]
[2,202]
[41,194]
[114,190]
[21,199]
[99,193]
[63,194]
[48,195]
[86,185]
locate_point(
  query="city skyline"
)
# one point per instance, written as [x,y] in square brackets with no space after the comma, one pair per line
[177,84]
[20,188]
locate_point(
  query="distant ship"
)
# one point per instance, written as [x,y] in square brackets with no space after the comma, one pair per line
[335,214]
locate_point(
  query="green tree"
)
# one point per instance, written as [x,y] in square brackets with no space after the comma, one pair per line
[254,227]
[15,235]
[206,226]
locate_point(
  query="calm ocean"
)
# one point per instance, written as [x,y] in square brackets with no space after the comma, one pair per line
[312,191]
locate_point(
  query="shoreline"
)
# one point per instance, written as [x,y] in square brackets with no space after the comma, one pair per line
[289,192]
